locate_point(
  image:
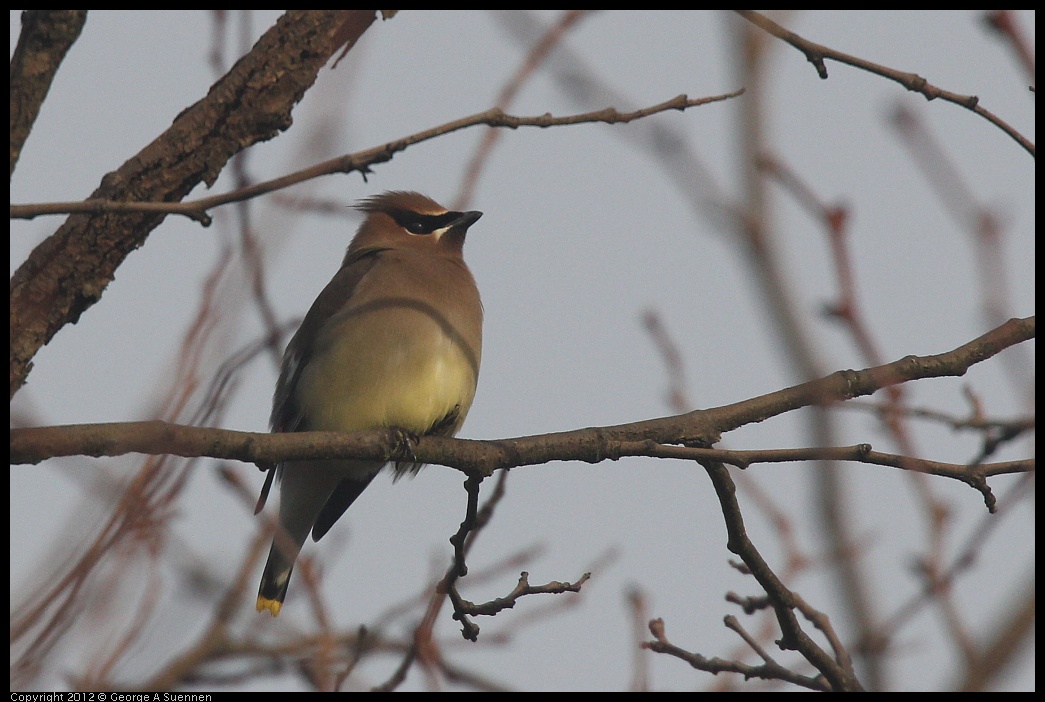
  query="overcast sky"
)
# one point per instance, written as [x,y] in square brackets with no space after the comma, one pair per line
[584,231]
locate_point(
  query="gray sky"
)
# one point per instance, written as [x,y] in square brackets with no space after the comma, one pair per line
[583,232]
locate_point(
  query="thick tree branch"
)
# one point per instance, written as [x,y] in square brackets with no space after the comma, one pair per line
[68,272]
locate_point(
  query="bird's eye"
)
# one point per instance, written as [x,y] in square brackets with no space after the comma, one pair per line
[413,222]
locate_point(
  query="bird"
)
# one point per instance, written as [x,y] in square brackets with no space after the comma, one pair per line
[393,341]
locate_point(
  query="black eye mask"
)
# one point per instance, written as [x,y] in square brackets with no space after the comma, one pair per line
[421,223]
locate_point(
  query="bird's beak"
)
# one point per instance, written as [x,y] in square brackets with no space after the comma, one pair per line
[466,220]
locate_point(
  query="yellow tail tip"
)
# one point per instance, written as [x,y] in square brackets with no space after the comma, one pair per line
[273,606]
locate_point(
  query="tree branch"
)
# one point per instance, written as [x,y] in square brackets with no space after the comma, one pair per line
[362,160]
[816,53]
[46,37]
[593,444]
[68,272]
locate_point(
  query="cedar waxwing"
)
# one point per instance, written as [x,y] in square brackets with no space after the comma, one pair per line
[394,340]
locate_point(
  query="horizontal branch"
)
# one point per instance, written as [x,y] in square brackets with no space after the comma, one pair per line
[96,206]
[974,475]
[361,160]
[594,444]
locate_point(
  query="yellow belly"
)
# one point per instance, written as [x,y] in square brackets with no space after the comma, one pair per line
[396,368]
